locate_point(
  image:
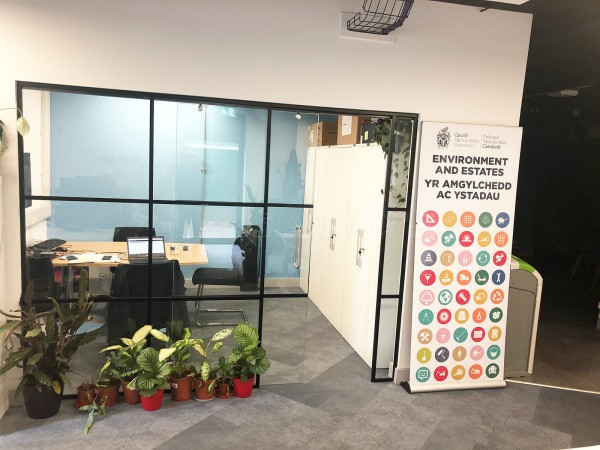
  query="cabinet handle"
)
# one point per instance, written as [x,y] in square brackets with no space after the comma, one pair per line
[297,246]
[332,234]
[360,250]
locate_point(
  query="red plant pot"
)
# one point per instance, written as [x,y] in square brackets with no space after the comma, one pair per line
[109,395]
[154,402]
[243,389]
[130,396]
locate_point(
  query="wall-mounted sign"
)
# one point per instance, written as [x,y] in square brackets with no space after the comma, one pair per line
[465,214]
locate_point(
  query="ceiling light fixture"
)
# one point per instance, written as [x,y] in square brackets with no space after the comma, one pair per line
[298,116]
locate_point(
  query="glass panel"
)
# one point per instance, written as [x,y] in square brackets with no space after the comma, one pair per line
[401,163]
[87,145]
[392,262]
[284,338]
[287,239]
[209,152]
[290,163]
[387,337]
[218,247]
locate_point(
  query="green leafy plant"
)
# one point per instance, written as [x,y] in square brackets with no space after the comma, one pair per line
[93,409]
[224,371]
[216,342]
[248,357]
[181,354]
[153,373]
[47,340]
[121,360]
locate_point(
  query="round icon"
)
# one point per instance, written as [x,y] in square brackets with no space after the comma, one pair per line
[465,258]
[498,277]
[424,336]
[461,315]
[466,239]
[463,277]
[442,335]
[445,297]
[429,238]
[496,315]
[458,372]
[493,351]
[477,353]
[497,296]
[448,238]
[480,296]
[484,239]
[479,315]
[495,333]
[422,374]
[449,219]
[440,373]
[492,370]
[430,218]
[481,277]
[483,258]
[460,335]
[425,316]
[447,258]
[428,258]
[501,239]
[485,219]
[459,353]
[423,355]
[467,219]
[475,371]
[442,354]
[444,316]
[463,297]
[502,220]
[499,258]
[478,334]
[446,277]
[427,277]
[426,297]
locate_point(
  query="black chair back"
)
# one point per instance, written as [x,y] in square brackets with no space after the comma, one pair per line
[122,233]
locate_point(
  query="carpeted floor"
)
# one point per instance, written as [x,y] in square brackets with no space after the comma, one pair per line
[335,407]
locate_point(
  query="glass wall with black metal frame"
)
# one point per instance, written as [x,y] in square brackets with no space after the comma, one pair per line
[117,181]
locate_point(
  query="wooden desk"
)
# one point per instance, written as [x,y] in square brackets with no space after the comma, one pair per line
[194,256]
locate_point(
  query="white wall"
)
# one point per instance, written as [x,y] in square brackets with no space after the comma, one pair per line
[449,63]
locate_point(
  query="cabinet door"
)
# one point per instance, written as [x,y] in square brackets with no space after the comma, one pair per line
[361,270]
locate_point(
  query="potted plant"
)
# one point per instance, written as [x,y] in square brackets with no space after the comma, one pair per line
[108,389]
[224,373]
[205,379]
[151,380]
[181,374]
[86,393]
[46,343]
[247,359]
[121,360]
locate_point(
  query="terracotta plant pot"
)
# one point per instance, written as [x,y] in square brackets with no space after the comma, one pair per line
[154,402]
[201,393]
[243,389]
[109,395]
[85,395]
[131,396]
[181,389]
[224,390]
[41,405]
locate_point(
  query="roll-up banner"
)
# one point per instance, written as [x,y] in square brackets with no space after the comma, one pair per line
[465,214]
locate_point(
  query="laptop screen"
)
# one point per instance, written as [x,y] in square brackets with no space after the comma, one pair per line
[139,246]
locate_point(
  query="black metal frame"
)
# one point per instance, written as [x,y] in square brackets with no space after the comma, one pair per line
[269,107]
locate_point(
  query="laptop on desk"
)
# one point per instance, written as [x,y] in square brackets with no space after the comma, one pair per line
[137,250]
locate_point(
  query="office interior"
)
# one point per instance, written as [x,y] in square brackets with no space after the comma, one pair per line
[440,65]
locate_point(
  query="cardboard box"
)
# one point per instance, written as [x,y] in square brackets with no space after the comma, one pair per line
[349,128]
[321,134]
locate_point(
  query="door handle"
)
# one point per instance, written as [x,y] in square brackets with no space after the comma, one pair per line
[297,246]
[360,250]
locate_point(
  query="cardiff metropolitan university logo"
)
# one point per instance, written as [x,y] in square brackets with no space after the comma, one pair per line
[443,138]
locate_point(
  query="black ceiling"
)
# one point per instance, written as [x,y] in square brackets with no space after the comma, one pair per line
[565,44]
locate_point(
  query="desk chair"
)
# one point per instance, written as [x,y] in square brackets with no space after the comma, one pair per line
[243,273]
[122,233]
[40,273]
[131,280]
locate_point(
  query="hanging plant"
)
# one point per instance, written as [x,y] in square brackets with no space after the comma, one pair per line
[3,139]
